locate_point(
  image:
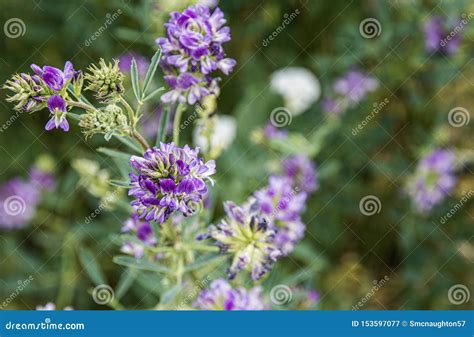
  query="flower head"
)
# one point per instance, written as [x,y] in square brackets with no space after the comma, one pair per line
[221,296]
[29,92]
[244,234]
[143,232]
[436,33]
[193,49]
[57,108]
[54,77]
[108,121]
[302,171]
[433,180]
[106,81]
[169,179]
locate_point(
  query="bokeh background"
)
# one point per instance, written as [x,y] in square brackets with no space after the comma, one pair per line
[344,252]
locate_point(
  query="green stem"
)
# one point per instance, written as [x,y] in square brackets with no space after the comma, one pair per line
[140,139]
[131,114]
[202,248]
[177,123]
[80,105]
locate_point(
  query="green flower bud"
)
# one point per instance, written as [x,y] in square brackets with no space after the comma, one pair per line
[106,81]
[109,121]
[29,92]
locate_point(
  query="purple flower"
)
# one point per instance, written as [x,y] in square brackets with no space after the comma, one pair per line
[272,132]
[143,231]
[355,85]
[53,77]
[221,296]
[333,106]
[57,107]
[41,179]
[438,36]
[125,62]
[18,202]
[282,205]
[245,235]
[169,179]
[302,171]
[192,51]
[433,180]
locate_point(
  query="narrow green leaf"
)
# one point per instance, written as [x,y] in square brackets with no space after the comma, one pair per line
[91,267]
[204,261]
[153,94]
[119,183]
[114,153]
[130,143]
[125,282]
[152,69]
[74,116]
[135,80]
[170,295]
[131,262]
[164,120]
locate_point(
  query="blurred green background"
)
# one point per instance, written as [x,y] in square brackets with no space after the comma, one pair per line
[343,251]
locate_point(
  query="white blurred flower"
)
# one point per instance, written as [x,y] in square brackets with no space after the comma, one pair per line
[208,3]
[218,136]
[298,86]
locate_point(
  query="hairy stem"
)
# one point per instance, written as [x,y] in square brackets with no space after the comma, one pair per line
[80,105]
[140,139]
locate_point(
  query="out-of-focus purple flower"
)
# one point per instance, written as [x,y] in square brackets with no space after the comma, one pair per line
[125,62]
[18,202]
[282,205]
[355,85]
[333,106]
[143,231]
[51,307]
[58,110]
[169,179]
[302,171]
[272,132]
[433,180]
[245,235]
[440,38]
[41,179]
[221,296]
[53,77]
[192,51]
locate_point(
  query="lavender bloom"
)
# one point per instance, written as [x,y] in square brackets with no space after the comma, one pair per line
[433,180]
[53,77]
[18,202]
[125,62]
[41,179]
[57,107]
[168,179]
[221,296]
[192,51]
[436,34]
[331,105]
[272,132]
[282,205]
[302,171]
[247,236]
[355,85]
[143,231]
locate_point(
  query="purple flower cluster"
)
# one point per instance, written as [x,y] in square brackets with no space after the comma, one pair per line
[192,51]
[169,179]
[349,90]
[441,38]
[19,199]
[143,231]
[221,296]
[302,171]
[433,180]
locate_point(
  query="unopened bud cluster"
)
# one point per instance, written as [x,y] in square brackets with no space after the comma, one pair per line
[106,81]
[29,92]
[109,121]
